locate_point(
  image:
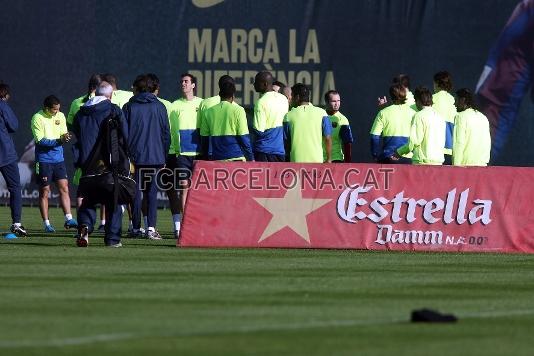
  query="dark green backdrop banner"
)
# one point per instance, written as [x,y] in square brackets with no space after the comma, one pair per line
[52,47]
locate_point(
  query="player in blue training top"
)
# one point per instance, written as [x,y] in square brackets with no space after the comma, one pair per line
[269,112]
[391,127]
[226,124]
[49,128]
[185,136]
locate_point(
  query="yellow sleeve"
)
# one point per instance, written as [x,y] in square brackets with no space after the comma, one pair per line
[378,125]
[260,119]
[74,108]
[203,123]
[37,128]
[417,134]
[175,133]
[459,141]
[63,129]
[241,124]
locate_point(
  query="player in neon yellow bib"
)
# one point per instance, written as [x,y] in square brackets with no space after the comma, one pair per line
[226,125]
[185,138]
[404,80]
[471,140]
[269,112]
[184,119]
[341,132]
[443,103]
[94,82]
[426,136]
[391,128]
[49,128]
[306,127]
[205,105]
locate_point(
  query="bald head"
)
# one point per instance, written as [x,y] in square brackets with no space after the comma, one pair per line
[263,82]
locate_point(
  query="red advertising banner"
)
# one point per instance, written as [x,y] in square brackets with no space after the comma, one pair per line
[360,206]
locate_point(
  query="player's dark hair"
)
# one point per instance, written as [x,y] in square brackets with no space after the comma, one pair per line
[402,79]
[397,93]
[154,82]
[51,101]
[111,79]
[301,91]
[94,82]
[443,80]
[328,93]
[423,95]
[141,84]
[191,76]
[227,90]
[4,91]
[225,79]
[467,97]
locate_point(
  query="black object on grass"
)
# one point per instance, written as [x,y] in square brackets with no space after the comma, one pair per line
[432,316]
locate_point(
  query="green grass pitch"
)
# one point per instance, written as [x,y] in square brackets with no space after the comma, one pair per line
[150,298]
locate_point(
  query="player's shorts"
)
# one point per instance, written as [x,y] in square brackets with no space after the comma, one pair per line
[50,172]
[268,157]
[185,166]
[167,173]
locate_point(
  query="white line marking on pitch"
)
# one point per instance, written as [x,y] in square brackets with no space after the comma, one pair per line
[90,339]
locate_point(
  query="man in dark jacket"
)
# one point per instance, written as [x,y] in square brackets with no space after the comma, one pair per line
[148,141]
[88,123]
[8,160]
